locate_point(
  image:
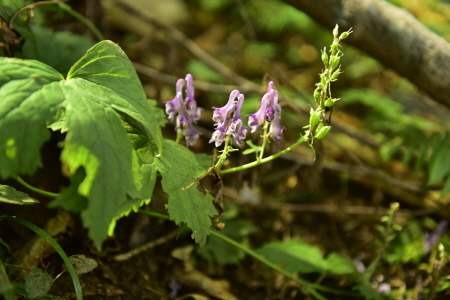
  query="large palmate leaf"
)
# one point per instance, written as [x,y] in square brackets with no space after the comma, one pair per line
[29,99]
[179,168]
[101,92]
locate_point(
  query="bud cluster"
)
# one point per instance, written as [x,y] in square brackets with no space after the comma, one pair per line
[322,94]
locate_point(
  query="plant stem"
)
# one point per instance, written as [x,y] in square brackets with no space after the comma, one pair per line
[264,160]
[29,7]
[268,263]
[309,287]
[82,19]
[58,249]
[263,146]
[35,189]
[224,154]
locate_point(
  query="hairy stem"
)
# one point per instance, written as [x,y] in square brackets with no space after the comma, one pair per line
[264,160]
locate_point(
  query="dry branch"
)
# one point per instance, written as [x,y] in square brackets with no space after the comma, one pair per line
[392,36]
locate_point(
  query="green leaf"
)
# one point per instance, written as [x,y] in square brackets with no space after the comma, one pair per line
[407,245]
[299,256]
[179,168]
[340,265]
[366,289]
[446,188]
[69,199]
[295,256]
[59,50]
[107,66]
[158,112]
[440,163]
[389,149]
[37,283]
[422,155]
[221,252]
[101,92]
[6,288]
[9,194]
[30,99]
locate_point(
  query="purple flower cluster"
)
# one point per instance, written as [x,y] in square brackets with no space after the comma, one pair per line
[269,111]
[184,111]
[228,120]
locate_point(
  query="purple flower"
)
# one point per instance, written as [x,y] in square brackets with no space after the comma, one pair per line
[269,111]
[235,128]
[173,107]
[185,112]
[228,120]
[220,114]
[432,238]
[257,119]
[276,130]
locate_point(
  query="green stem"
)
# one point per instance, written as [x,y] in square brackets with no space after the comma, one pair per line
[268,263]
[309,287]
[263,146]
[83,20]
[58,249]
[262,161]
[224,154]
[35,189]
[179,137]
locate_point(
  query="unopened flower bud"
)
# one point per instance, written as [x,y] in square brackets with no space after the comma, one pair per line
[343,35]
[336,30]
[329,102]
[335,75]
[322,132]
[316,93]
[324,55]
[335,61]
[315,118]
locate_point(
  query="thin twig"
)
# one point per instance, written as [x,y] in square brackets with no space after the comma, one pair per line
[30,7]
[182,39]
[201,85]
[200,178]
[145,247]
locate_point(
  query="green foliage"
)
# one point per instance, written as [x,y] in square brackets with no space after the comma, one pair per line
[383,113]
[60,50]
[412,137]
[179,168]
[10,195]
[408,245]
[31,98]
[301,257]
[37,283]
[6,288]
[217,250]
[7,9]
[89,105]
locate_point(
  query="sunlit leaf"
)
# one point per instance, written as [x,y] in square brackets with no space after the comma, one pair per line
[30,98]
[9,194]
[101,92]
[179,168]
